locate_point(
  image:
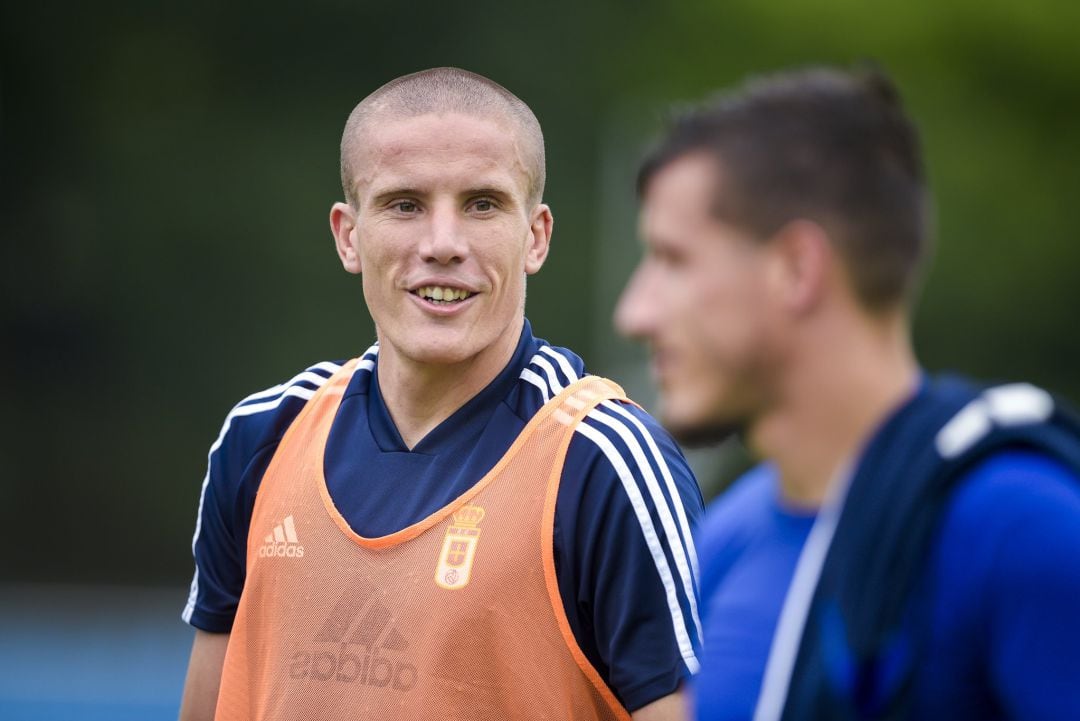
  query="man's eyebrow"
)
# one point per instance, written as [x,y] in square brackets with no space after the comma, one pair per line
[385,196]
[485,190]
[501,194]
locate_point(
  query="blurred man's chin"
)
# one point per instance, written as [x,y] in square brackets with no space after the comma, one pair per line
[700,435]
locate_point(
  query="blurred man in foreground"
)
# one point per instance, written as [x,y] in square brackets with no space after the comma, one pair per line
[461,523]
[911,548]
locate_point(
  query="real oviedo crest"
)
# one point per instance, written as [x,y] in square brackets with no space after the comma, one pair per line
[459,547]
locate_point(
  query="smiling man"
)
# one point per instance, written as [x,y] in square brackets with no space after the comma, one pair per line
[461,522]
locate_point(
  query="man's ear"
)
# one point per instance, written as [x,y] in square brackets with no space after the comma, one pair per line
[539,241]
[343,226]
[804,259]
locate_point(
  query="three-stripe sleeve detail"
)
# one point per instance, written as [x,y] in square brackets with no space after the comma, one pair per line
[681,544]
[669,482]
[303,385]
[619,434]
[652,541]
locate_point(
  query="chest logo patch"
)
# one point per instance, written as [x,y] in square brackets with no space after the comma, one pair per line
[459,548]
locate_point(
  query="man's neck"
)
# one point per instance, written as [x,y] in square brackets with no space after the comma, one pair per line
[420,396]
[835,402]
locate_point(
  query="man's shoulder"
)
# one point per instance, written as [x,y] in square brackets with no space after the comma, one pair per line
[1004,559]
[1013,518]
[261,418]
[749,496]
[550,369]
[627,426]
[1016,450]
[742,508]
[621,441]
[627,504]
[547,370]
[617,442]
[1011,489]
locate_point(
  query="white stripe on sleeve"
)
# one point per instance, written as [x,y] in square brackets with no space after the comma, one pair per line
[567,369]
[651,540]
[549,371]
[675,542]
[304,376]
[247,407]
[669,482]
[534,379]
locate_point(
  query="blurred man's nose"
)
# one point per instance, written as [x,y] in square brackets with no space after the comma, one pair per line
[636,311]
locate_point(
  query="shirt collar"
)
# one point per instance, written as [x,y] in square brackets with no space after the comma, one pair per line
[467,421]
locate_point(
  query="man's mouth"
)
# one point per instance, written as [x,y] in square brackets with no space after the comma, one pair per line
[660,362]
[442,294]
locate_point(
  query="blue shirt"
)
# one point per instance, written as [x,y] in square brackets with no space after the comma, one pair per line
[1005,569]
[627,501]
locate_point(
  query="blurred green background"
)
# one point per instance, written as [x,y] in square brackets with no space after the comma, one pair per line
[167,170]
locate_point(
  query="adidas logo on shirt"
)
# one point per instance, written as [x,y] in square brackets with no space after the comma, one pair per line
[353,647]
[282,542]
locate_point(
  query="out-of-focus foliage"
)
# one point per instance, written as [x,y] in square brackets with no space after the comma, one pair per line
[166,172]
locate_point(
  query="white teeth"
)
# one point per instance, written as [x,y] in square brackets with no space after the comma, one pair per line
[442,294]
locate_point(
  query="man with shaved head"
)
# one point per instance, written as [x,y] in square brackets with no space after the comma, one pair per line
[460,522]
[442,92]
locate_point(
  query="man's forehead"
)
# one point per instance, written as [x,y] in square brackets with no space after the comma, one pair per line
[680,190]
[425,144]
[689,178]
[678,209]
[388,127]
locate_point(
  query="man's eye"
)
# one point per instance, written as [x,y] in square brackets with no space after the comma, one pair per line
[405,206]
[483,205]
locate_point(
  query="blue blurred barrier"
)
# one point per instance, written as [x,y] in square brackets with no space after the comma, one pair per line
[91,653]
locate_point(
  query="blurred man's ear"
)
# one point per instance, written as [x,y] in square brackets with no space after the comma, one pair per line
[343,226]
[805,262]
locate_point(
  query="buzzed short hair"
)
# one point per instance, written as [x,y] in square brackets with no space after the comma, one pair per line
[827,145]
[441,90]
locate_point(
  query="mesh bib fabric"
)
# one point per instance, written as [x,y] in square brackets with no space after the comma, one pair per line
[455,617]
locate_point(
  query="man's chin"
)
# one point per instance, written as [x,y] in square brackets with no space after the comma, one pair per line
[701,435]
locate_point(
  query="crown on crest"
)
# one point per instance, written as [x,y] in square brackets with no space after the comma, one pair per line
[468,516]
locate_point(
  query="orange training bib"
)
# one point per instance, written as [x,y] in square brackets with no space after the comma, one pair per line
[455,617]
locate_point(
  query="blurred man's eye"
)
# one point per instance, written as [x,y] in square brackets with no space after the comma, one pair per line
[668,258]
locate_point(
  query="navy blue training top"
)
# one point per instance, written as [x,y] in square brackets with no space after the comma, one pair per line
[626,505]
[1004,634]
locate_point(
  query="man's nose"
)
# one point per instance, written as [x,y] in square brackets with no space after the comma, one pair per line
[637,311]
[444,241]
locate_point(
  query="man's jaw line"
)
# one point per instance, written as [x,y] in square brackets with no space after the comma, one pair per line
[705,433]
[710,430]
